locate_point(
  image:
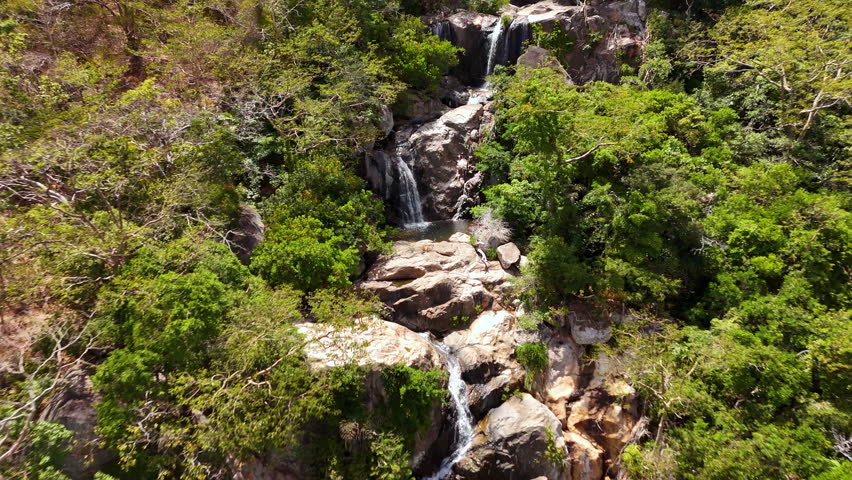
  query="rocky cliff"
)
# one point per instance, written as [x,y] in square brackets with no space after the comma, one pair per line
[572,423]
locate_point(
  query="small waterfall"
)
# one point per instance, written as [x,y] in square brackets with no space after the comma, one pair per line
[409,196]
[464,419]
[493,44]
[513,45]
[442,30]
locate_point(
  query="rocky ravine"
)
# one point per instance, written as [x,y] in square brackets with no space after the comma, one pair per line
[444,287]
[435,137]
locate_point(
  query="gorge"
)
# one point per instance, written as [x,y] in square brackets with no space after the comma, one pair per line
[425,240]
[441,287]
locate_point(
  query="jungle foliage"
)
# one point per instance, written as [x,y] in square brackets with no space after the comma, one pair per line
[136,137]
[708,194]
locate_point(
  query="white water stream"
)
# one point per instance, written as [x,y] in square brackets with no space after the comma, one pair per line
[493,42]
[409,195]
[464,419]
[483,93]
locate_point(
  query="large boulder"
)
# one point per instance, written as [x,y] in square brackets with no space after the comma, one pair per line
[509,255]
[598,415]
[248,234]
[371,342]
[443,158]
[537,57]
[440,155]
[418,108]
[589,324]
[606,33]
[586,458]
[386,121]
[435,286]
[513,441]
[562,380]
[412,260]
[603,34]
[547,13]
[76,411]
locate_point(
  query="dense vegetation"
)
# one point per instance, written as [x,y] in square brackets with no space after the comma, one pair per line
[134,136]
[707,194]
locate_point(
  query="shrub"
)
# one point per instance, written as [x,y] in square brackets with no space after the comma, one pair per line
[533,357]
[490,231]
[304,254]
[390,458]
[490,7]
[411,394]
[420,58]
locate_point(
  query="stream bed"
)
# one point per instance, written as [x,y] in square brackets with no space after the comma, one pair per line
[463,417]
[439,231]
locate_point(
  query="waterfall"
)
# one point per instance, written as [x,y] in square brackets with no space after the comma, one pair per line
[519,32]
[409,196]
[493,43]
[464,419]
[442,30]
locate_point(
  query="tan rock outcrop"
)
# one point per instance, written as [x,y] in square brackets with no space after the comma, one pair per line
[443,158]
[485,351]
[371,342]
[435,286]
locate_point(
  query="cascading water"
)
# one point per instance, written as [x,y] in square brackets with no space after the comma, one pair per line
[493,43]
[409,195]
[464,419]
[514,39]
[442,30]
[483,93]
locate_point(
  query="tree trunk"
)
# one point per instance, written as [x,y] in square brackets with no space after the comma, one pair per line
[133,45]
[658,439]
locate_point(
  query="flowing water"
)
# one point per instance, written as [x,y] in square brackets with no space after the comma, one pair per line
[409,196]
[493,43]
[439,231]
[442,30]
[464,419]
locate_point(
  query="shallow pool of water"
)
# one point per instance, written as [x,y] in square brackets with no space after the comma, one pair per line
[437,231]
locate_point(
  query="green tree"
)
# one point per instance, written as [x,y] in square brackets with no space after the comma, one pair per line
[305,255]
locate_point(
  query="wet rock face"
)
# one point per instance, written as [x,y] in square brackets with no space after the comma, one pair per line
[603,34]
[485,351]
[445,287]
[470,31]
[443,158]
[441,155]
